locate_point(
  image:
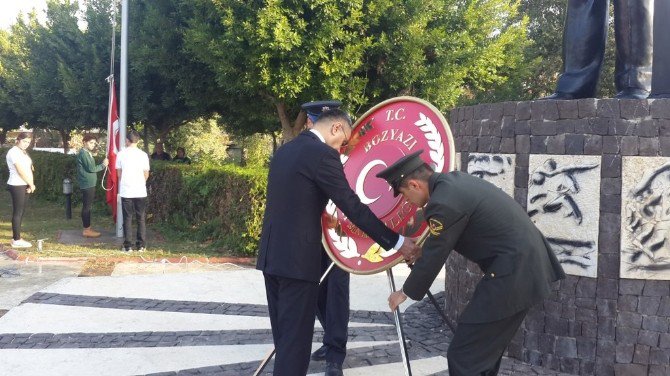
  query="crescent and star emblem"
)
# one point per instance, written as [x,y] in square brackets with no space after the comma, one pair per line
[361,180]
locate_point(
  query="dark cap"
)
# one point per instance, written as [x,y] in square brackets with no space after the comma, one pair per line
[314,109]
[395,173]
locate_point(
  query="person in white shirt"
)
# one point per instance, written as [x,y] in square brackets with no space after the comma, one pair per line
[20,183]
[132,169]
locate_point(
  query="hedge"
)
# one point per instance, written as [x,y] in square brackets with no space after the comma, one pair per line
[222,205]
[50,170]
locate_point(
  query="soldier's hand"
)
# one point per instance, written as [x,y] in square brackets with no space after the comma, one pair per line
[396,298]
[105,162]
[410,251]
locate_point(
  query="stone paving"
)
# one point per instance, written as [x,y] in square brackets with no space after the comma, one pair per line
[83,325]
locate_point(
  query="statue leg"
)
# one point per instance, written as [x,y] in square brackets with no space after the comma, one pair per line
[584,38]
[660,85]
[633,26]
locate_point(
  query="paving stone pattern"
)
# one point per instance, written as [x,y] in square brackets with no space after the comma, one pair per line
[427,336]
[589,326]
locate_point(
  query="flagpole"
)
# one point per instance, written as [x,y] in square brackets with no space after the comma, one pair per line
[123,104]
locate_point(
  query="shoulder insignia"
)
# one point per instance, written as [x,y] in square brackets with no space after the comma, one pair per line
[436,226]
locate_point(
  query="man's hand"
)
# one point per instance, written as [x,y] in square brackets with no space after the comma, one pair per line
[410,251]
[396,298]
[331,220]
[105,162]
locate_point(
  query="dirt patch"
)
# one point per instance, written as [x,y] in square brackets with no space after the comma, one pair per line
[97,268]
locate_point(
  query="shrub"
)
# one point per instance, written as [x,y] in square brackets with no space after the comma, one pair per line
[222,205]
[219,204]
[50,170]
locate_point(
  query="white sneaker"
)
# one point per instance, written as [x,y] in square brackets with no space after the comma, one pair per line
[21,244]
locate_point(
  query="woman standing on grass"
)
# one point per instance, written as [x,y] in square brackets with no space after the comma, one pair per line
[20,183]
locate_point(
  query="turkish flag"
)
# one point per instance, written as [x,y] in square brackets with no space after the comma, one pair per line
[112,148]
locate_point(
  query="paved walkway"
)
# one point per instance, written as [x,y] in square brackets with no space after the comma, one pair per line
[194,320]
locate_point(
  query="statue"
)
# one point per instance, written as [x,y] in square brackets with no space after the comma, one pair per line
[584,40]
[660,83]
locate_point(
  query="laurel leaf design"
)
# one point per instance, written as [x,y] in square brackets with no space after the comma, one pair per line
[434,140]
[346,245]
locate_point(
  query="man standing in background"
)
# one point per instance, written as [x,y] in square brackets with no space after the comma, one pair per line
[132,169]
[87,176]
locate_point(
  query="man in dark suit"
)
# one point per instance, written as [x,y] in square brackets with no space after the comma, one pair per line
[486,226]
[304,174]
[584,40]
[332,308]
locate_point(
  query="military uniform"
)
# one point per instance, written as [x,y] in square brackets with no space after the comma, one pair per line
[486,226]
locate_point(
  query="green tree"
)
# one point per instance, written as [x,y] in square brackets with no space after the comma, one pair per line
[282,53]
[96,53]
[51,63]
[169,88]
[9,119]
[203,139]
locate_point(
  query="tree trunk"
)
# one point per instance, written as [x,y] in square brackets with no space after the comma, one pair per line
[65,137]
[3,136]
[274,142]
[145,138]
[286,128]
[290,131]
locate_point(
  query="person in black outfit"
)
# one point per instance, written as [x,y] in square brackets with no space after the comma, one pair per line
[485,225]
[333,303]
[159,154]
[181,156]
[584,38]
[304,174]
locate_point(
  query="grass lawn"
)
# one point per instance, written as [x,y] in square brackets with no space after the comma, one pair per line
[44,220]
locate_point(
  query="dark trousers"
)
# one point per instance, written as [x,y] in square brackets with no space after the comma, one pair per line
[477,349]
[292,306]
[19,198]
[584,39]
[333,311]
[134,207]
[87,195]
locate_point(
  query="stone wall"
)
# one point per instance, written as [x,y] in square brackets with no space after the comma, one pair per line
[591,325]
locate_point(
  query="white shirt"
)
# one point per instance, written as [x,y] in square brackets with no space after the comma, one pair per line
[17,156]
[133,162]
[401,239]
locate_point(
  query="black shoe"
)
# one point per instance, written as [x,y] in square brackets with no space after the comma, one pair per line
[333,369]
[632,94]
[320,354]
[559,96]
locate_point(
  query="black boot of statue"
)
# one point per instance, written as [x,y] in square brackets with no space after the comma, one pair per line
[633,20]
[584,40]
[660,83]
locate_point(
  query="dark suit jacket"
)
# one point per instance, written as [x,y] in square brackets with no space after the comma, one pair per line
[486,226]
[304,174]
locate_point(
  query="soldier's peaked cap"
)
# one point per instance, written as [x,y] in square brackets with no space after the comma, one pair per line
[395,173]
[314,109]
